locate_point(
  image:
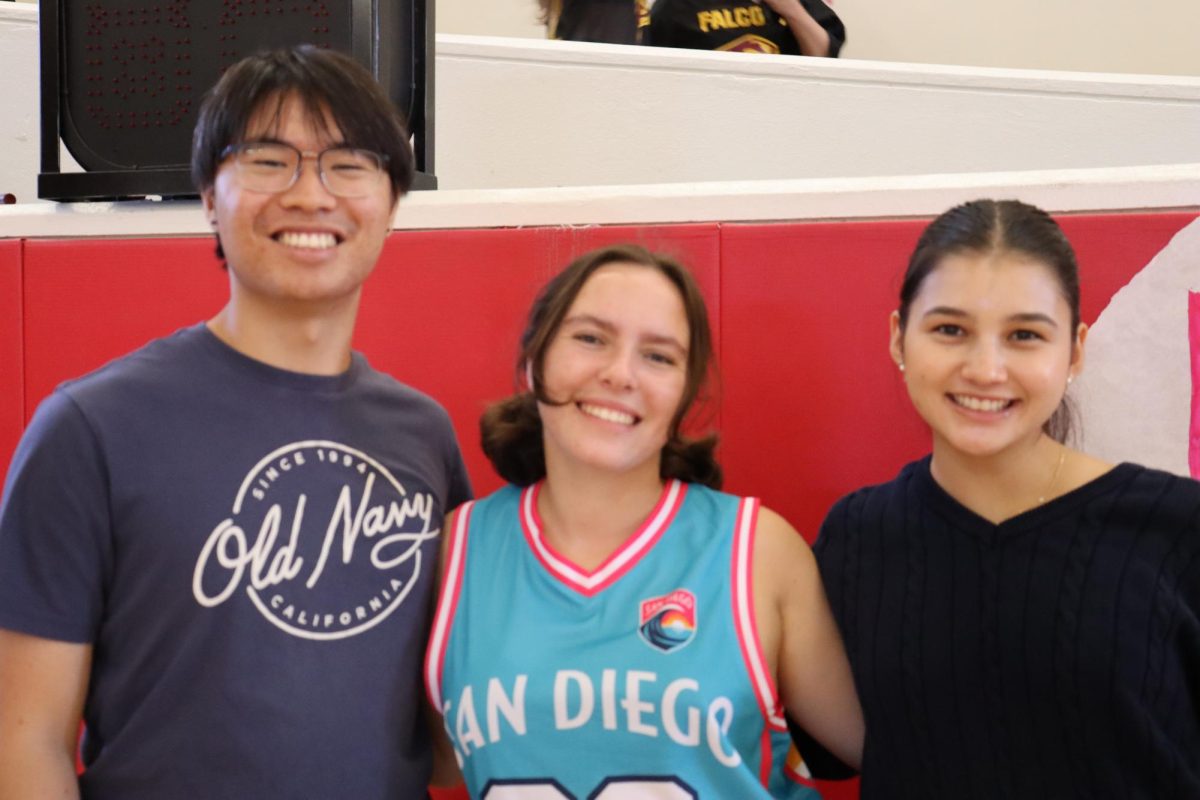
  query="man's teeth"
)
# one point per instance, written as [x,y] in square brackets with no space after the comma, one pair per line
[979,404]
[607,414]
[311,241]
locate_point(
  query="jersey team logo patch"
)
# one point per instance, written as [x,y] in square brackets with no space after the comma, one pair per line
[750,43]
[668,623]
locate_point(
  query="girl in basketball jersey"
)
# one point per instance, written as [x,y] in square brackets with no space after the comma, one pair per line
[1023,619]
[610,625]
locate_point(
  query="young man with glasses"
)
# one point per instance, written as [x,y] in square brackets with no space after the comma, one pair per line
[218,551]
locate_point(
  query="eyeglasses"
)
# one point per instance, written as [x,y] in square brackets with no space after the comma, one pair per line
[272,167]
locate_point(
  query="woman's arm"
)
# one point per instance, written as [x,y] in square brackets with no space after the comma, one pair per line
[810,36]
[800,638]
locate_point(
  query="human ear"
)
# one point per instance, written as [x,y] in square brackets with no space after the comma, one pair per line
[896,340]
[208,199]
[1077,352]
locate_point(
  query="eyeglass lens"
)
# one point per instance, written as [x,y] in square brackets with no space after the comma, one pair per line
[274,167]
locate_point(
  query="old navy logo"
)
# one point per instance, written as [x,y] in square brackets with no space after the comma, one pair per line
[668,623]
[352,551]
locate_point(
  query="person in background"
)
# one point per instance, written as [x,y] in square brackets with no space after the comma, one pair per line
[788,27]
[610,623]
[606,21]
[219,550]
[1023,620]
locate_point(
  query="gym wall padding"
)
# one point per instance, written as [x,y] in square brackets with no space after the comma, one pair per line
[89,301]
[12,378]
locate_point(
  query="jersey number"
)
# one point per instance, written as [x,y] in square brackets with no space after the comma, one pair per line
[635,788]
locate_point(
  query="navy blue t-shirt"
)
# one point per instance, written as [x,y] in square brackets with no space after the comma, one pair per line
[251,554]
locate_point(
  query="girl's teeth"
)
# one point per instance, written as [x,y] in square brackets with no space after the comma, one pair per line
[978,404]
[607,414]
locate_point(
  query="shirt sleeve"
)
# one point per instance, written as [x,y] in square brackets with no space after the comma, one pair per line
[55,532]
[830,21]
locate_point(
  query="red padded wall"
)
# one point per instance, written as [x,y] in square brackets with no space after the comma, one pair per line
[811,404]
[12,406]
[87,302]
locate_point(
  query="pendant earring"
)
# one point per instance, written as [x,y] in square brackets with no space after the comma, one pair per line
[900,365]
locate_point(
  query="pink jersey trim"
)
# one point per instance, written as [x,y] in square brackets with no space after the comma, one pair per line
[767,759]
[1194,340]
[435,654]
[624,559]
[744,619]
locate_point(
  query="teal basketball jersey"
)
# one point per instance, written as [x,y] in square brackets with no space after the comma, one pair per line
[643,678]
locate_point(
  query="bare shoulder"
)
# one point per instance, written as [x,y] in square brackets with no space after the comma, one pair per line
[781,555]
[777,535]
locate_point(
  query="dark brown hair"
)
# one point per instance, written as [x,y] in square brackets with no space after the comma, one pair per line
[997,226]
[511,429]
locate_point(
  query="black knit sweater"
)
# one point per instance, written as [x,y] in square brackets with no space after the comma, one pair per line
[1056,655]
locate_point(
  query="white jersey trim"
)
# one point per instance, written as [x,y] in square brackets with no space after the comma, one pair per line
[620,562]
[435,654]
[744,618]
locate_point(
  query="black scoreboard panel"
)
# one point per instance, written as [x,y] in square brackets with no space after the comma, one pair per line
[125,78]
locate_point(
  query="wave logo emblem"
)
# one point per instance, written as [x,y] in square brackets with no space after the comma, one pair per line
[668,623]
[322,539]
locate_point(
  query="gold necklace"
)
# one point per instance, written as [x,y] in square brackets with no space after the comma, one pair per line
[1053,478]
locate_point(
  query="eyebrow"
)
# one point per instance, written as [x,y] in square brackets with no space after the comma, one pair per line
[1026,316]
[608,327]
[274,140]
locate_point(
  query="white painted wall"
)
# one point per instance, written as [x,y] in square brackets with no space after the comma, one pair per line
[19,87]
[536,113]
[1095,36]
[524,113]
[1156,37]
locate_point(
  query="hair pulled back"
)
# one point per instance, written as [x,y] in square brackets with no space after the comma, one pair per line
[999,226]
[511,429]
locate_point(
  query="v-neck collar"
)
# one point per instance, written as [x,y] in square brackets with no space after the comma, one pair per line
[590,583]
[963,517]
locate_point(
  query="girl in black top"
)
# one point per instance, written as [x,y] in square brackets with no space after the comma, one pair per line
[1023,620]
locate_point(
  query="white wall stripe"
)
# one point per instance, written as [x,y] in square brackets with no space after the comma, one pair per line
[745,610]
